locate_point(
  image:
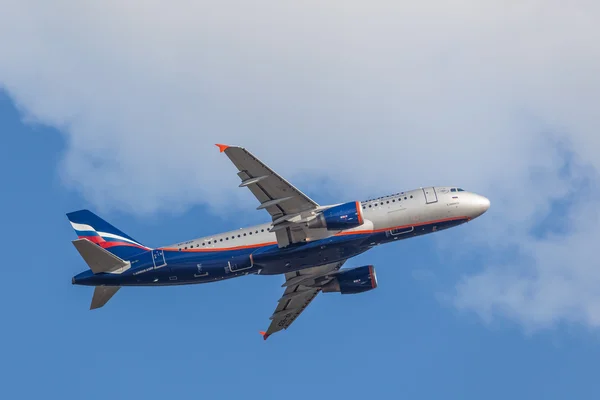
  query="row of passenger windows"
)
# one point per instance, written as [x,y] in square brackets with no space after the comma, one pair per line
[386,197]
[380,203]
[220,240]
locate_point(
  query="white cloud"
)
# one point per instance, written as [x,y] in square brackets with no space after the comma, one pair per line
[555,275]
[419,93]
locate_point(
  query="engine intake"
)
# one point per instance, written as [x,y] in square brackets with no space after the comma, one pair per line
[354,280]
[340,217]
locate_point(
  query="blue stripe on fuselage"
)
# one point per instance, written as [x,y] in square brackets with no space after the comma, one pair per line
[186,267]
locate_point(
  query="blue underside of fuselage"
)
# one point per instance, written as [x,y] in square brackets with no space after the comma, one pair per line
[149,268]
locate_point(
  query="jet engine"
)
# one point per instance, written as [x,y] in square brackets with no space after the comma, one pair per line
[354,280]
[340,217]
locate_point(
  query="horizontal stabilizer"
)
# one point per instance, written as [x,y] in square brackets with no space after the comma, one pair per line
[98,259]
[103,294]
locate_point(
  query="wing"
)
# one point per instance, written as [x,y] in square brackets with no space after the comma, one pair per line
[301,287]
[282,200]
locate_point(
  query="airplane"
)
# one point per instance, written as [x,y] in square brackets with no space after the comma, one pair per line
[306,242]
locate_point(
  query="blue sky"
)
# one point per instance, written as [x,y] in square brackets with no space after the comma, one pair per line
[402,340]
[118,111]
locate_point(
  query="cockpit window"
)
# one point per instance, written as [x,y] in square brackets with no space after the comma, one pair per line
[453,190]
[460,190]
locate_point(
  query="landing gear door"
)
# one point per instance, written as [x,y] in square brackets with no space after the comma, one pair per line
[430,195]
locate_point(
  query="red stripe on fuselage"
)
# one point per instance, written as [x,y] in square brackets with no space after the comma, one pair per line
[402,226]
[365,232]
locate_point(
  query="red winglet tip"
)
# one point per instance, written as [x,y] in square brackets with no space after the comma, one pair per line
[222,147]
[265,335]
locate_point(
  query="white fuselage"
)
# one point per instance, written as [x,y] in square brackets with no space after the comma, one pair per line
[399,210]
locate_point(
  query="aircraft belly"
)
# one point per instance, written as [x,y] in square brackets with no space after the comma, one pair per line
[318,253]
[189,268]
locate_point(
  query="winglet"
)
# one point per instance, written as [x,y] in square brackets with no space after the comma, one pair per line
[222,147]
[265,335]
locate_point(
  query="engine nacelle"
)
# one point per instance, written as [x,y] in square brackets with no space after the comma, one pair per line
[354,280]
[340,217]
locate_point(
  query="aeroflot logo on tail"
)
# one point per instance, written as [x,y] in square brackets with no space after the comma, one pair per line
[84,230]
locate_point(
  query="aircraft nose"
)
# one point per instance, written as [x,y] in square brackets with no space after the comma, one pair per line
[484,203]
[480,205]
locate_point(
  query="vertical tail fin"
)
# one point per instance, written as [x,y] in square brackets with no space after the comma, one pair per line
[89,226]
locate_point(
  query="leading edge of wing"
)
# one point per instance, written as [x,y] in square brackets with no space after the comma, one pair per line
[223,149]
